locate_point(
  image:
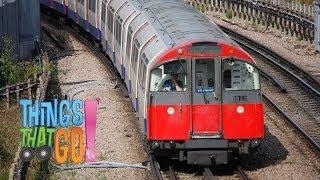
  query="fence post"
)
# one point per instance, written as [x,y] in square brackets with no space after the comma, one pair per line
[18,93]
[8,95]
[316,18]
[29,89]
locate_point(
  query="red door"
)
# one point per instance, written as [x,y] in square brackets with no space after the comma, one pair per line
[206,101]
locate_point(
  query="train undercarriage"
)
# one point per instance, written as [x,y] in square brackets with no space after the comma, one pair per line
[203,152]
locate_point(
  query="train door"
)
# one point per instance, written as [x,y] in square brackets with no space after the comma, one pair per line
[206,101]
[169,101]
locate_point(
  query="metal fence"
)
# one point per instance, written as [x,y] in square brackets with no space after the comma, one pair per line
[265,14]
[34,87]
[294,6]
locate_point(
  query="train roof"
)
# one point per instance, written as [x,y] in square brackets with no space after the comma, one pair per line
[181,23]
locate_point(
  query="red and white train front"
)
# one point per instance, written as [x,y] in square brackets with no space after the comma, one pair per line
[204,103]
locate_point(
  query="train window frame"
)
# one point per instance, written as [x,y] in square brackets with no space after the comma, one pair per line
[92,5]
[103,12]
[135,55]
[129,36]
[142,70]
[81,2]
[118,28]
[204,74]
[110,13]
[246,62]
[188,80]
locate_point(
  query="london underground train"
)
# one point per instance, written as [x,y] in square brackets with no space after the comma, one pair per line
[196,92]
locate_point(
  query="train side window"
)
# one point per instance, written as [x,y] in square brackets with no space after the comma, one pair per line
[129,41]
[81,2]
[135,55]
[92,5]
[103,13]
[238,75]
[118,29]
[169,77]
[142,70]
[110,19]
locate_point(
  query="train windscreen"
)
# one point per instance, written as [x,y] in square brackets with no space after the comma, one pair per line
[239,75]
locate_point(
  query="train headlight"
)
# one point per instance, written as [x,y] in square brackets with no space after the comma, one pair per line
[240,109]
[170,110]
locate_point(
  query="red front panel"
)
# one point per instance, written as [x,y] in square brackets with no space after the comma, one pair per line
[162,126]
[248,125]
[206,118]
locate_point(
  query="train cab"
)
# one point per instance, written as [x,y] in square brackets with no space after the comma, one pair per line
[205,103]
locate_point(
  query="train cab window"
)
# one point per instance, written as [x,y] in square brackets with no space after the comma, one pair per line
[103,13]
[170,77]
[238,75]
[92,5]
[110,19]
[204,75]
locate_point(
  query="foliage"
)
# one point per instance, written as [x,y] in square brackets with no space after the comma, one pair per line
[13,71]
[229,14]
[200,8]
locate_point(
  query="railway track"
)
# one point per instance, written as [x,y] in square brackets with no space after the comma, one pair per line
[166,170]
[299,97]
[92,46]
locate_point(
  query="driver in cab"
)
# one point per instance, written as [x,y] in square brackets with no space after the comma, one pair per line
[173,84]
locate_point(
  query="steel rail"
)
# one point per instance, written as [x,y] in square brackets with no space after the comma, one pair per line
[155,169]
[172,175]
[207,174]
[96,50]
[291,122]
[242,173]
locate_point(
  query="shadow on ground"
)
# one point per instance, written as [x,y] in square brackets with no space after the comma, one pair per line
[270,152]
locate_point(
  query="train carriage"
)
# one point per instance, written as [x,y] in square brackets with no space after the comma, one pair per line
[82,14]
[93,19]
[196,92]
[57,5]
[72,9]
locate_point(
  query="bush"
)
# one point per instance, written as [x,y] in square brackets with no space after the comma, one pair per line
[229,14]
[13,71]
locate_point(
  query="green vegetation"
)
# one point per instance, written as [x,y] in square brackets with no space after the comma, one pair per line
[13,71]
[200,8]
[229,14]
[9,138]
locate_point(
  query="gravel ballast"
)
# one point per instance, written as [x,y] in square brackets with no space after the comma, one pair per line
[81,76]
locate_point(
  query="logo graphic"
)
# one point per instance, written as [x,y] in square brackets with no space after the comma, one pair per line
[55,129]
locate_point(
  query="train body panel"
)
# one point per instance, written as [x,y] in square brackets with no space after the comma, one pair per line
[196,92]
[72,10]
[60,6]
